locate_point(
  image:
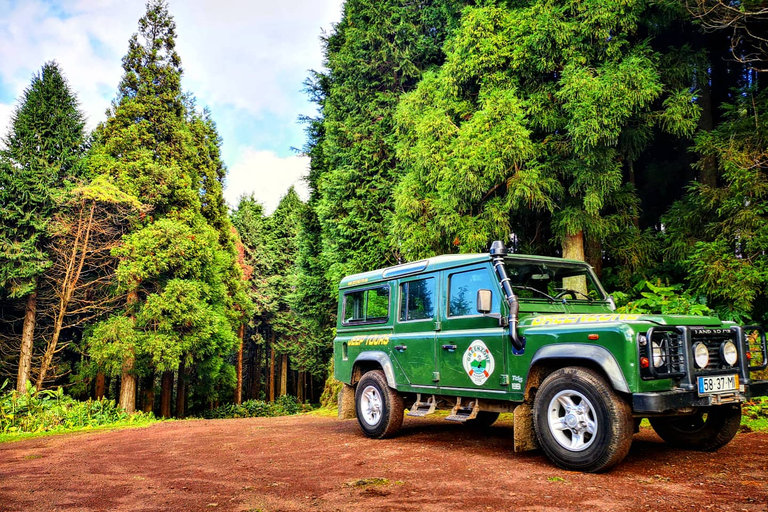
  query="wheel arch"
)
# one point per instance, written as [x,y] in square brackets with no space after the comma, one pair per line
[373,360]
[552,357]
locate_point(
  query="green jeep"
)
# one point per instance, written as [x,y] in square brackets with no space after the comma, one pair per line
[482,334]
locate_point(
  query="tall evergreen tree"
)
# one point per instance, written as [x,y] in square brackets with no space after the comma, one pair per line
[377,51]
[43,155]
[534,110]
[179,269]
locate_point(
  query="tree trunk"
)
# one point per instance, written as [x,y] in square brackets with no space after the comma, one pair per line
[239,385]
[101,385]
[573,249]
[128,388]
[284,374]
[300,385]
[256,374]
[148,390]
[166,394]
[594,255]
[181,391]
[27,341]
[68,284]
[128,380]
[272,370]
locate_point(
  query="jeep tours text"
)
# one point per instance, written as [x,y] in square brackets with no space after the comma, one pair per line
[482,334]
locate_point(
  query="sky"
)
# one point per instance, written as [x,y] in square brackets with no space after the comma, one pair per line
[246,60]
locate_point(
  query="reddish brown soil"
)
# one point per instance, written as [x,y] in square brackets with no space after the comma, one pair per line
[313,463]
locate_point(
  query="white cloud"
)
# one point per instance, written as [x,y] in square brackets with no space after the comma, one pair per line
[245,59]
[267,176]
[252,55]
[87,43]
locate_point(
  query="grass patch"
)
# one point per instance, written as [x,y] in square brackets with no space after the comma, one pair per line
[118,425]
[754,414]
[286,405]
[42,412]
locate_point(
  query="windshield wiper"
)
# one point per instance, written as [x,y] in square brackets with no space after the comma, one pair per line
[531,288]
[566,291]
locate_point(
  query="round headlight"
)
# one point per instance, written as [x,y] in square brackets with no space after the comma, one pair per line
[658,359]
[701,355]
[729,353]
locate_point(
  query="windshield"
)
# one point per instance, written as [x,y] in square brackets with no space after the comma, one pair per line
[550,281]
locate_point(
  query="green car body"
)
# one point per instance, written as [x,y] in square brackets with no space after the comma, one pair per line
[420,326]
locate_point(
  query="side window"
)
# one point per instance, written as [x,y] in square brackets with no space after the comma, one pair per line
[366,306]
[417,299]
[463,287]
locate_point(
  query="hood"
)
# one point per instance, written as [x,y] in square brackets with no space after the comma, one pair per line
[564,319]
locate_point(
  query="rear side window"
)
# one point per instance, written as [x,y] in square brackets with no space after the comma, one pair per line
[417,299]
[366,306]
[463,292]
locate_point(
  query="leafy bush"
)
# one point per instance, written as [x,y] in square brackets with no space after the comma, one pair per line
[53,411]
[665,300]
[286,405]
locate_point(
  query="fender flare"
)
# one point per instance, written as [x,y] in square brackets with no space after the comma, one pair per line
[383,359]
[593,353]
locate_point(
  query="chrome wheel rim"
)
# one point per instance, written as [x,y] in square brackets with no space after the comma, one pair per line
[371,405]
[572,420]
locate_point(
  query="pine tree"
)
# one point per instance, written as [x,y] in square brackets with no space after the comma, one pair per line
[523,130]
[43,156]
[377,51]
[185,296]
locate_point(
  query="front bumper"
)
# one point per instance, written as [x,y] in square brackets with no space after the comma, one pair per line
[669,401]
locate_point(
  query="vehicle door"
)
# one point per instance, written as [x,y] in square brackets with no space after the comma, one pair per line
[414,348]
[471,346]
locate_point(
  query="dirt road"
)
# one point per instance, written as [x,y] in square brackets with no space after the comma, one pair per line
[314,463]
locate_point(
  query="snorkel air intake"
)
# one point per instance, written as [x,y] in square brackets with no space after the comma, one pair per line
[498,251]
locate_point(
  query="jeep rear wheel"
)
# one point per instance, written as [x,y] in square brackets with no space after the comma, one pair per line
[705,430]
[379,407]
[581,423]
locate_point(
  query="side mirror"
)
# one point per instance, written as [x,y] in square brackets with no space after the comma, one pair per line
[611,303]
[484,299]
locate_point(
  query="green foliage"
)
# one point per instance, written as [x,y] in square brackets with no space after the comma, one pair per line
[665,300]
[53,411]
[179,268]
[719,235]
[42,157]
[285,405]
[755,414]
[528,116]
[376,52]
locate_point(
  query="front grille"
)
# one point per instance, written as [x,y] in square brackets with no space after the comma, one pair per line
[713,340]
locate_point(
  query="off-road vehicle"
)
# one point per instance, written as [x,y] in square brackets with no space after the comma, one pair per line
[484,334]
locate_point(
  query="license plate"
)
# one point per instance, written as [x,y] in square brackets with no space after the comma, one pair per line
[718,384]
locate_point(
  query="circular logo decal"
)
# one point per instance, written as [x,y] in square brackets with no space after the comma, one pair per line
[478,362]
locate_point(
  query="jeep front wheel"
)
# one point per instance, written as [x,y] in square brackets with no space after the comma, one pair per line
[581,423]
[705,430]
[379,407]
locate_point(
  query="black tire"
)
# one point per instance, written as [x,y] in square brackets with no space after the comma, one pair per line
[379,408]
[706,430]
[581,423]
[484,419]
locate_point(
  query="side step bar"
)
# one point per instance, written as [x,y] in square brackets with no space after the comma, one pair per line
[420,408]
[464,413]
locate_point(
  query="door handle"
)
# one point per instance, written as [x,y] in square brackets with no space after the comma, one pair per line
[400,348]
[449,348]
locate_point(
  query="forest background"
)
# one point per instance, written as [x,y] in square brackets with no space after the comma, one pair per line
[630,134]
